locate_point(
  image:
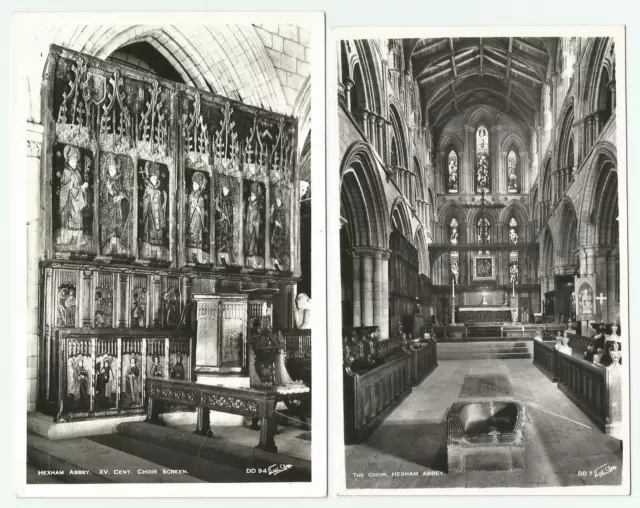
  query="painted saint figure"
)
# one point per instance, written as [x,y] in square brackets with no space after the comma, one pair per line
[196,217]
[252,226]
[104,383]
[155,370]
[66,307]
[177,371]
[224,224]
[80,385]
[278,233]
[133,381]
[116,210]
[73,199]
[154,207]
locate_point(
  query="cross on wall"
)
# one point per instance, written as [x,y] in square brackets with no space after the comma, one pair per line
[601,299]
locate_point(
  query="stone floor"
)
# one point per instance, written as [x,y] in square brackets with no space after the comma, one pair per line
[561,440]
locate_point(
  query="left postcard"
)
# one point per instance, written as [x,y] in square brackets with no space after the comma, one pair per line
[163,166]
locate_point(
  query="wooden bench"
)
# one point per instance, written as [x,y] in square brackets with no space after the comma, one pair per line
[256,404]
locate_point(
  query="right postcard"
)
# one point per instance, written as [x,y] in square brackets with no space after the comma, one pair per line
[481,246]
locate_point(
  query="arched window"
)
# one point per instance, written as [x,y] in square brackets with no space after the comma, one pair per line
[570,157]
[513,184]
[514,271]
[452,172]
[454,255]
[483,183]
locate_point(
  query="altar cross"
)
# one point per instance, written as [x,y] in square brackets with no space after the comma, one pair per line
[601,299]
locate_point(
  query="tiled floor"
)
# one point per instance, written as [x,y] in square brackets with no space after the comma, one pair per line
[560,439]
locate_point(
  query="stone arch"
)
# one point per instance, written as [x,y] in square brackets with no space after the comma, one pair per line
[398,128]
[302,111]
[513,142]
[448,211]
[547,194]
[420,242]
[400,218]
[515,208]
[220,64]
[371,74]
[568,235]
[547,253]
[598,180]
[473,216]
[566,135]
[474,116]
[448,143]
[421,194]
[362,201]
[598,55]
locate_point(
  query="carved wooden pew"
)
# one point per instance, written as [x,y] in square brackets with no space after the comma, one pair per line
[596,390]
[374,381]
[257,404]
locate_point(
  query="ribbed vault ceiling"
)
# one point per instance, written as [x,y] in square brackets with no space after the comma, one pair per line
[456,73]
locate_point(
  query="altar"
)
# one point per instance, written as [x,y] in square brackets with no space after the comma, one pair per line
[485,314]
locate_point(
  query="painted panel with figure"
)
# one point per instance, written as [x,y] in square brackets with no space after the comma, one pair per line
[131,381]
[154,205]
[72,184]
[116,205]
[254,224]
[107,368]
[197,216]
[280,228]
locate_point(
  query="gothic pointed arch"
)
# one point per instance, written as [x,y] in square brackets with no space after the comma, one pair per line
[547,253]
[362,201]
[401,218]
[600,178]
[566,253]
[420,241]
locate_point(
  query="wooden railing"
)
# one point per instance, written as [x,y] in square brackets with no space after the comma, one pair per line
[595,389]
[545,357]
[103,373]
[377,374]
[257,404]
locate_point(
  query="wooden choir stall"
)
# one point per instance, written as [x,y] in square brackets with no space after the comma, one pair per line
[171,224]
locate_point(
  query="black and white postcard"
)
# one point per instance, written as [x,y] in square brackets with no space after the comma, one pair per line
[164,169]
[480,241]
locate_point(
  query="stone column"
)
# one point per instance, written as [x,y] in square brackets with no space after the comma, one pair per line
[384,293]
[377,288]
[598,124]
[373,131]
[364,114]
[465,164]
[357,307]
[381,150]
[35,248]
[366,299]
[612,88]
[348,84]
[590,260]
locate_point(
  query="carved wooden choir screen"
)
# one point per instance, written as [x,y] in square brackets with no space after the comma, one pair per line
[146,170]
[153,190]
